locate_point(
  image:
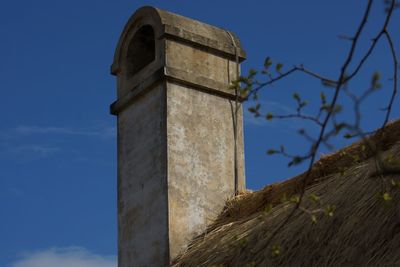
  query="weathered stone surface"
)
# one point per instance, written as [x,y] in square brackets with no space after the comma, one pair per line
[200,161]
[142,182]
[175,133]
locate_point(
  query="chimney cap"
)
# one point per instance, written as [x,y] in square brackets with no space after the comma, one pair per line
[168,25]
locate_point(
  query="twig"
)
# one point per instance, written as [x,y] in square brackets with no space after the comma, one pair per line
[395,76]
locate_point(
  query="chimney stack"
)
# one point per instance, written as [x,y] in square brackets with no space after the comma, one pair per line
[176,143]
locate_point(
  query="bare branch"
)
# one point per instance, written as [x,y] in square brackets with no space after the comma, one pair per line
[395,76]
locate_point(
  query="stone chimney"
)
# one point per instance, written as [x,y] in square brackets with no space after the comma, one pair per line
[176,145]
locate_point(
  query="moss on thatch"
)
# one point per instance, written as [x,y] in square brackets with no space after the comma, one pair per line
[363,231]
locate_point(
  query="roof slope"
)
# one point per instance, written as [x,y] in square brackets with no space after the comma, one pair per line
[364,230]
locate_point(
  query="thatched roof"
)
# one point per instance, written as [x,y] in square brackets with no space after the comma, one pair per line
[363,231]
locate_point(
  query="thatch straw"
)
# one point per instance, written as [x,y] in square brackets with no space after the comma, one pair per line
[364,231]
[330,164]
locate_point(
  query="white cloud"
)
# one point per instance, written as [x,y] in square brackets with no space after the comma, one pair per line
[268,106]
[27,152]
[15,192]
[98,131]
[38,150]
[64,257]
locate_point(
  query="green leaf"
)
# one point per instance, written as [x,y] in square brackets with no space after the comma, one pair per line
[278,67]
[314,218]
[329,210]
[267,62]
[235,85]
[386,196]
[389,158]
[325,107]
[395,183]
[255,96]
[314,198]
[295,161]
[295,199]
[269,116]
[252,72]
[252,110]
[303,104]
[375,81]
[347,135]
[276,250]
[356,158]
[296,96]
[338,108]
[339,127]
[244,92]
[323,98]
[272,151]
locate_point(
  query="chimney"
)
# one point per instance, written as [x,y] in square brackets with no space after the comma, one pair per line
[176,142]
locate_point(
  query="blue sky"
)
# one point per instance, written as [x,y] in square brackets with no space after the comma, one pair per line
[58,141]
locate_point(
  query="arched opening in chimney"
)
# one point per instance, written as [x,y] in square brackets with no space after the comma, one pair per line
[141,50]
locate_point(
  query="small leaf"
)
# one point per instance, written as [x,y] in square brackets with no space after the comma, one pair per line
[296,96]
[313,197]
[252,109]
[395,183]
[272,151]
[323,98]
[234,85]
[295,199]
[244,92]
[347,135]
[255,110]
[376,77]
[269,116]
[303,104]
[339,127]
[252,72]
[267,62]
[278,67]
[295,161]
[386,196]
[356,158]
[276,250]
[337,109]
[255,96]
[314,218]
[390,158]
[329,210]
[324,107]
